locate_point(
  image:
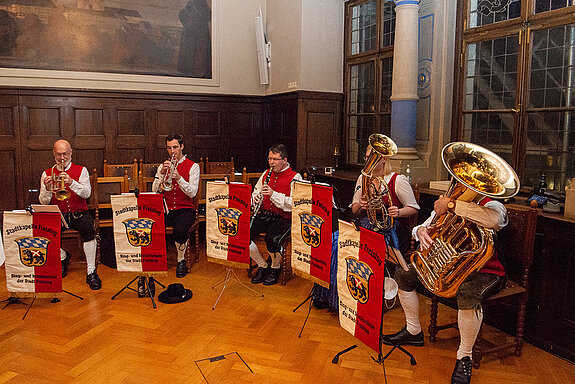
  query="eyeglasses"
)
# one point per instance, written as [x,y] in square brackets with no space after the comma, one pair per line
[274,159]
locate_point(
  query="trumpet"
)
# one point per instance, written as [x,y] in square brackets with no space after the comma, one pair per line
[166,182]
[57,186]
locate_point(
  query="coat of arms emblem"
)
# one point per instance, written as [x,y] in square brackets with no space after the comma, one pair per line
[358,274]
[311,229]
[228,220]
[33,250]
[139,231]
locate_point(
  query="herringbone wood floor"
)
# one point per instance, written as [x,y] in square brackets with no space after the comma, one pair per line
[97,340]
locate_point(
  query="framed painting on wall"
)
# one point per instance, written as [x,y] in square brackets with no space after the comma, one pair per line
[125,41]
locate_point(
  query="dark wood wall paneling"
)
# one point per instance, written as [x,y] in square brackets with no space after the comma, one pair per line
[123,126]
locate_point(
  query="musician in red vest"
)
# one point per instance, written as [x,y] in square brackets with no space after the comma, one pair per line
[272,193]
[75,209]
[184,179]
[476,287]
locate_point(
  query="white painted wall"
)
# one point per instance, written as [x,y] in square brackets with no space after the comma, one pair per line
[306,49]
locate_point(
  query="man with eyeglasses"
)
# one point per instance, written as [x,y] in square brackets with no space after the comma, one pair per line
[274,215]
[76,180]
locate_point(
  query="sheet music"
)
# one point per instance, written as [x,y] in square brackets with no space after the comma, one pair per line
[49,208]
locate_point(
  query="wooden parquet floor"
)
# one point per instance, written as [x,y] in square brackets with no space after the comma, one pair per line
[98,340]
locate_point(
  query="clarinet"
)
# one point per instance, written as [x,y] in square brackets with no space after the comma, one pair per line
[258,205]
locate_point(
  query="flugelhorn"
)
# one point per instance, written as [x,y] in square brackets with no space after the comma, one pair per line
[166,182]
[57,185]
[460,246]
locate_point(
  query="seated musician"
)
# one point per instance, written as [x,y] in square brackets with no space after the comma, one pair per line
[76,182]
[477,286]
[272,193]
[403,206]
[179,199]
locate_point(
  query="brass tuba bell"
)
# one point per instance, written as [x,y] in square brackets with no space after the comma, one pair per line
[376,208]
[460,246]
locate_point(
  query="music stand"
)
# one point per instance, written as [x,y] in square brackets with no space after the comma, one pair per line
[147,292]
[229,272]
[311,297]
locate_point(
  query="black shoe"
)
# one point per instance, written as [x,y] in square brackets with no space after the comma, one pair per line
[462,372]
[403,337]
[65,263]
[152,286]
[181,269]
[93,280]
[141,286]
[260,275]
[272,277]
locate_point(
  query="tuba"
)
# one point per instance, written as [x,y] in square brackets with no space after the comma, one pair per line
[57,187]
[460,246]
[376,208]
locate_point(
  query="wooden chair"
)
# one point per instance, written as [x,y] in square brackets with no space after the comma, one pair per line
[515,244]
[118,170]
[102,189]
[286,273]
[220,166]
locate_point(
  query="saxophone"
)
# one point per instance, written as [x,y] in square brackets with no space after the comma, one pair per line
[258,204]
[460,246]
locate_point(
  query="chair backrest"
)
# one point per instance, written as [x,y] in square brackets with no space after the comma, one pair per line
[202,186]
[107,186]
[220,166]
[515,242]
[250,178]
[118,170]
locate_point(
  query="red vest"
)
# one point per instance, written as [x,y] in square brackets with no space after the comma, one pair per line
[176,198]
[394,199]
[279,182]
[74,203]
[493,265]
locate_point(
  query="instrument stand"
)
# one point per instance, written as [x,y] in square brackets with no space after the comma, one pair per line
[229,272]
[147,292]
[311,296]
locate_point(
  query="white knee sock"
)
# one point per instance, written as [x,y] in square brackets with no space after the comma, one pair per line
[276,259]
[469,322]
[181,248]
[410,304]
[62,254]
[256,256]
[90,251]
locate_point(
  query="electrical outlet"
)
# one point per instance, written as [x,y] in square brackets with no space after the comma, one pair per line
[292,85]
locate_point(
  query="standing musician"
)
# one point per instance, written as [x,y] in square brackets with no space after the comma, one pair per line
[477,286]
[178,178]
[70,193]
[274,215]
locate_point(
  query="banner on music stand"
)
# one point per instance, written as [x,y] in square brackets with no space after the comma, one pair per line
[360,276]
[228,222]
[32,249]
[139,232]
[311,231]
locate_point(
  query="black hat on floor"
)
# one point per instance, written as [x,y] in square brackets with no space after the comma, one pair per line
[175,293]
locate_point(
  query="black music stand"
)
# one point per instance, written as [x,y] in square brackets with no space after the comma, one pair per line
[147,292]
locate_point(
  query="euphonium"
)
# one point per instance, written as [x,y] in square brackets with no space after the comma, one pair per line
[460,246]
[166,182]
[376,208]
[57,186]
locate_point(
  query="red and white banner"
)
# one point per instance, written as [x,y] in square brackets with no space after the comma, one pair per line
[360,276]
[139,232]
[32,248]
[311,231]
[228,222]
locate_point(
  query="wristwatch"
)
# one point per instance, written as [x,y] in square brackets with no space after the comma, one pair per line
[451,205]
